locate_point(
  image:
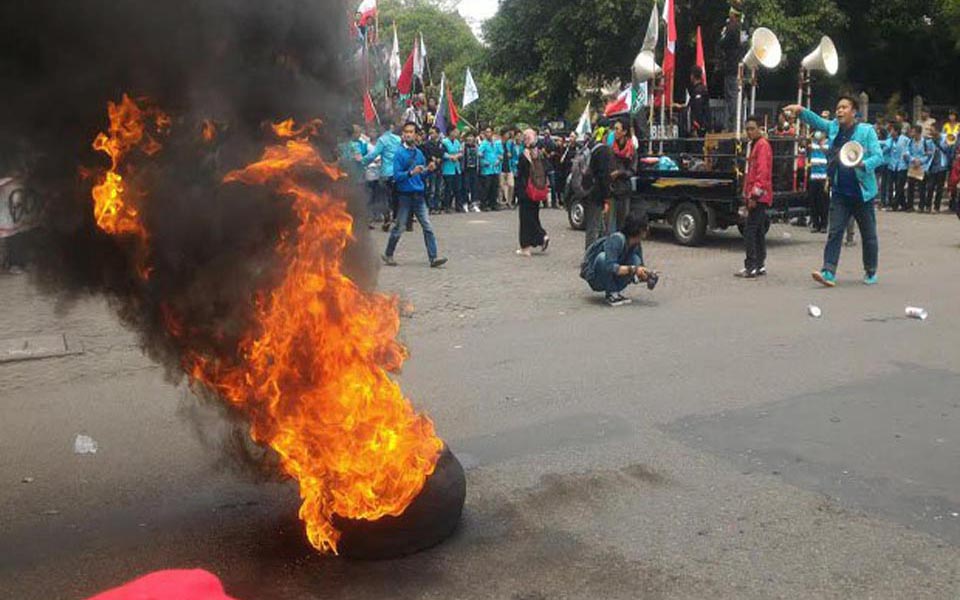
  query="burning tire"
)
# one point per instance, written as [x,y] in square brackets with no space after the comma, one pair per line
[431,518]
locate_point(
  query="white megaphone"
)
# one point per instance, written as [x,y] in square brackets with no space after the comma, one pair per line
[645,67]
[764,51]
[823,58]
[851,154]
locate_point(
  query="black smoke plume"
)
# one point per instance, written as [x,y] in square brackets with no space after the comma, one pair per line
[241,64]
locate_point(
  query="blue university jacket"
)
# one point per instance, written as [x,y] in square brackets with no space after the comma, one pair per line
[404,162]
[866,136]
[922,151]
[490,158]
[386,148]
[451,166]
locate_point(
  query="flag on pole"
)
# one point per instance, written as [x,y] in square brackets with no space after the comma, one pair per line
[653,31]
[369,110]
[419,59]
[405,81]
[700,60]
[447,117]
[584,128]
[622,104]
[440,121]
[670,52]
[470,92]
[367,11]
[395,66]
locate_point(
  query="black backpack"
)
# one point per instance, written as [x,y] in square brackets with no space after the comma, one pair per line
[581,175]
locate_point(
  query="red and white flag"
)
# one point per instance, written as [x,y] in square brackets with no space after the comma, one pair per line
[369,110]
[405,81]
[367,11]
[623,104]
[670,52]
[701,62]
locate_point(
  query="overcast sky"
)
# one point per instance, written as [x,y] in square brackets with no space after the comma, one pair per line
[477,11]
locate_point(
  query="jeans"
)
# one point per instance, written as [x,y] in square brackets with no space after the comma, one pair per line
[841,209]
[431,182]
[554,192]
[730,89]
[605,281]
[417,205]
[593,219]
[375,208]
[471,186]
[453,191]
[755,238]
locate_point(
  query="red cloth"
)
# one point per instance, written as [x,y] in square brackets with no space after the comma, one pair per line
[170,585]
[625,152]
[759,181]
[955,172]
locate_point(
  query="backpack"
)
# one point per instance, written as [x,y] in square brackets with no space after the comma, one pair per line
[581,176]
[537,186]
[589,257]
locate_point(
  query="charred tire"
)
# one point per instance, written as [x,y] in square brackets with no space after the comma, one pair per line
[689,224]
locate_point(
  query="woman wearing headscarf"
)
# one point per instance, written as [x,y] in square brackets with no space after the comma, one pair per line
[532,190]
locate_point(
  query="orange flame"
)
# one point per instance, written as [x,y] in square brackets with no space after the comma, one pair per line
[208,130]
[114,213]
[314,379]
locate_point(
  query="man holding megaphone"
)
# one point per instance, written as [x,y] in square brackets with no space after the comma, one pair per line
[853,157]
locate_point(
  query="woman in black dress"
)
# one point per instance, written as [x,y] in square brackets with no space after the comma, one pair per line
[531,178]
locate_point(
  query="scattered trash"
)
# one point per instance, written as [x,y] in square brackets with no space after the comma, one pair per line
[815,311]
[84,444]
[27,480]
[787,235]
[52,512]
[458,347]
[915,312]
[954,515]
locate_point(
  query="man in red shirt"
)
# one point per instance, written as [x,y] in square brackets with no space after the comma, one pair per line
[757,196]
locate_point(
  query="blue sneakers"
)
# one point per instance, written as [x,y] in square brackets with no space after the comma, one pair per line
[870,279]
[825,278]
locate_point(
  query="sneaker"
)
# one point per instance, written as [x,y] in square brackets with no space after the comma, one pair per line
[616,300]
[437,262]
[388,260]
[746,274]
[825,278]
[476,208]
[546,243]
[762,272]
[870,279]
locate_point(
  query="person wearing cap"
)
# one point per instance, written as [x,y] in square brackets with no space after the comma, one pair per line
[853,188]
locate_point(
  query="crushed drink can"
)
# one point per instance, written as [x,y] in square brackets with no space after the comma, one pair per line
[915,312]
[815,311]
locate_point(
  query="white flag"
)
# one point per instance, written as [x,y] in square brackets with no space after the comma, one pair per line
[470,92]
[653,31]
[584,128]
[420,58]
[395,66]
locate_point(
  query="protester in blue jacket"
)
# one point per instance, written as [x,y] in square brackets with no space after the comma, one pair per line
[453,196]
[409,166]
[920,150]
[490,157]
[386,149]
[853,189]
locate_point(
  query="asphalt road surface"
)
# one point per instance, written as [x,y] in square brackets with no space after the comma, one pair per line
[711,440]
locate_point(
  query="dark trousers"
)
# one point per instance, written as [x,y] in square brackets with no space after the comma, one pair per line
[490,189]
[453,191]
[819,203]
[755,237]
[593,221]
[899,191]
[471,186]
[914,187]
[432,190]
[887,184]
[841,209]
[934,190]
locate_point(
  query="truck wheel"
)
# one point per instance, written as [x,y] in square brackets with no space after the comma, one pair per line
[689,224]
[575,214]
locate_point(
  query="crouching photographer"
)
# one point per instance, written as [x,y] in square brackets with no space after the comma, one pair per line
[613,262]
